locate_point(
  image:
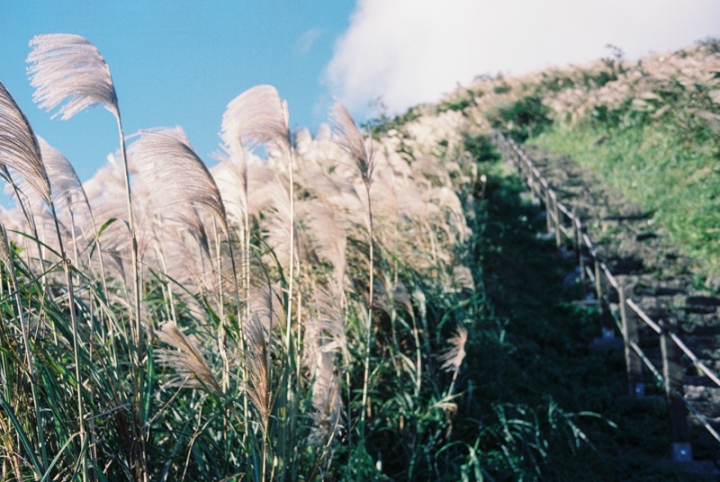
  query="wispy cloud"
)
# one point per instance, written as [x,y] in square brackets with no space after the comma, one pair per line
[413,52]
[307,40]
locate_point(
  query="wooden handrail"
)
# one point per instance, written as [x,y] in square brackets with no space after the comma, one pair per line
[643,316]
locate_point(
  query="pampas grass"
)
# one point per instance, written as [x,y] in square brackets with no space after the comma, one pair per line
[68,68]
[19,149]
[187,361]
[348,137]
[245,339]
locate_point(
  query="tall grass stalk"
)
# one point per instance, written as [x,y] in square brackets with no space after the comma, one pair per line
[7,257]
[350,140]
[68,68]
[67,267]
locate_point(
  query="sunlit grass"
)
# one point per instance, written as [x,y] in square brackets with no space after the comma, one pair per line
[675,178]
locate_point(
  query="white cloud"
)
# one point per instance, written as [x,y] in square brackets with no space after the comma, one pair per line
[307,40]
[413,51]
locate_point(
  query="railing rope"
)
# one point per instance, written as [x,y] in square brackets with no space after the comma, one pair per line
[610,277]
[700,417]
[648,363]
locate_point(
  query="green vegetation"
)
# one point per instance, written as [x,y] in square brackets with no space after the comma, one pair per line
[522,119]
[331,312]
[675,177]
[650,128]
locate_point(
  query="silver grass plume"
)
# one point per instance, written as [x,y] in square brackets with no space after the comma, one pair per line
[278,223]
[256,360]
[324,338]
[68,71]
[172,170]
[327,414]
[67,188]
[453,357]
[327,237]
[256,117]
[348,137]
[326,327]
[19,149]
[193,371]
[260,293]
[68,194]
[232,180]
[65,67]
[5,255]
[462,278]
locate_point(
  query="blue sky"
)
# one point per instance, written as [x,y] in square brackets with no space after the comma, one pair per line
[176,63]
[179,62]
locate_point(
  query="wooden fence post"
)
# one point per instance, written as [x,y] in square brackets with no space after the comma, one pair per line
[548,208]
[531,181]
[606,319]
[577,232]
[673,373]
[630,335]
[537,188]
[556,215]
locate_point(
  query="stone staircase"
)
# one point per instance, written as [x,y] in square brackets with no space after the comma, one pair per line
[667,286]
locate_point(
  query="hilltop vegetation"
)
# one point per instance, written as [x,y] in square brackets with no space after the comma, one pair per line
[649,127]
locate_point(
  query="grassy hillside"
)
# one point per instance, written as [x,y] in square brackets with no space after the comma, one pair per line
[649,127]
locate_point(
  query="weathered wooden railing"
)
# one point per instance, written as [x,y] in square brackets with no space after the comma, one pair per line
[569,229]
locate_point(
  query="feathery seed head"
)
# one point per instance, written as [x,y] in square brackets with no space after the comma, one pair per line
[67,188]
[454,356]
[327,413]
[255,355]
[19,149]
[172,170]
[193,371]
[347,136]
[5,255]
[67,68]
[257,116]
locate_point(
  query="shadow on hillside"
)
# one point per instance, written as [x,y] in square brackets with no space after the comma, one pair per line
[546,363]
